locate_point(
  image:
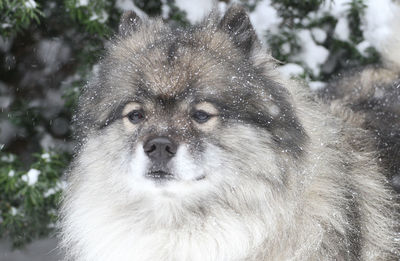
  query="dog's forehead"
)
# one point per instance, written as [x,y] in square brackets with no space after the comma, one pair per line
[173,61]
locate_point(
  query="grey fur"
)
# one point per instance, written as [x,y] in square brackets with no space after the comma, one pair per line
[374,95]
[273,175]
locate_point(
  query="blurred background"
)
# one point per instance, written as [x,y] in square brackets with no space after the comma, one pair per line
[48,49]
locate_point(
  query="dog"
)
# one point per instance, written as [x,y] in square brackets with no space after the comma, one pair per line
[193,147]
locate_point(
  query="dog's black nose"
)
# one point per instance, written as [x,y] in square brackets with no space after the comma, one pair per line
[160,149]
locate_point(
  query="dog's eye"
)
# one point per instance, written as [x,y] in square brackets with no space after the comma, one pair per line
[201,116]
[136,116]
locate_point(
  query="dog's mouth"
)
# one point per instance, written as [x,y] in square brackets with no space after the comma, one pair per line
[160,175]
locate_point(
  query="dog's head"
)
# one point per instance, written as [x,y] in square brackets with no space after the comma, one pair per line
[187,112]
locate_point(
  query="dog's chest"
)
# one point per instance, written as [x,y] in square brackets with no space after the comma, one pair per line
[230,239]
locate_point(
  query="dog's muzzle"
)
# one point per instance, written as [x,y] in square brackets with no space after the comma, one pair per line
[160,151]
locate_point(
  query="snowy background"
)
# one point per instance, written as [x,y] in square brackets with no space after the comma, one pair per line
[49,48]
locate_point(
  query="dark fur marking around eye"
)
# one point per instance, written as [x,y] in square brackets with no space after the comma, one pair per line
[287,132]
[114,115]
[142,93]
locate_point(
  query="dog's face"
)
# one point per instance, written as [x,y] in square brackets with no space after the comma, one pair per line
[187,112]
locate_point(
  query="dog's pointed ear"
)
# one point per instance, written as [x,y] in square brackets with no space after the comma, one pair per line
[129,23]
[237,24]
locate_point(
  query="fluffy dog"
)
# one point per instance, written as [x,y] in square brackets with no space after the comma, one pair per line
[194,148]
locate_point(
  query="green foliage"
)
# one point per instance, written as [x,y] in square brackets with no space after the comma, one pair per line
[343,54]
[355,12]
[16,15]
[291,9]
[176,15]
[28,208]
[150,7]
[93,16]
[29,211]
[283,45]
[250,5]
